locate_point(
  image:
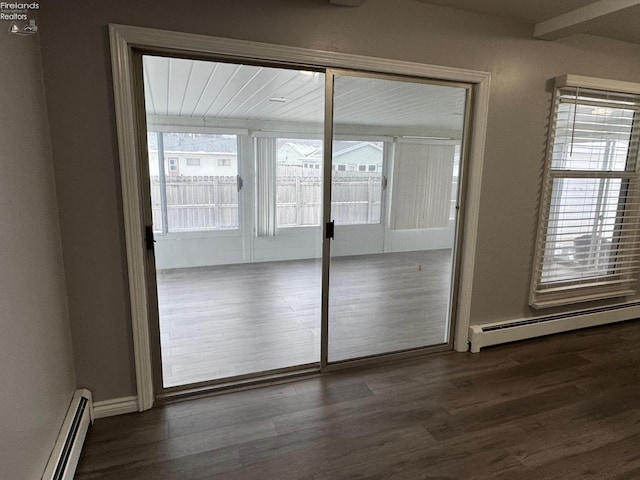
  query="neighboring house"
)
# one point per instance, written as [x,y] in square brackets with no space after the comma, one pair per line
[358,156]
[195,163]
[182,158]
[296,154]
[347,156]
[194,155]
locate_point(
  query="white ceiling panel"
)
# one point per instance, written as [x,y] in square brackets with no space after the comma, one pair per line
[156,75]
[212,90]
[224,79]
[369,101]
[178,82]
[201,76]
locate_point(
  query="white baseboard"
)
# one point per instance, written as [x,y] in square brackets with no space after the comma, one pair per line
[116,406]
[524,328]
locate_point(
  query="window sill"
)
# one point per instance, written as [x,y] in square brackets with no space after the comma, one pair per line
[558,302]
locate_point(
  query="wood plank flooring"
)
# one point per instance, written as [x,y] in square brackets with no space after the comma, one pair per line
[563,407]
[229,320]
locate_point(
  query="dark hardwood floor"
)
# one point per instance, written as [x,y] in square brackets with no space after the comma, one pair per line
[562,407]
[229,320]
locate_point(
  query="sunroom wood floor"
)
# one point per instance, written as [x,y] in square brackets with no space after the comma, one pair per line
[231,320]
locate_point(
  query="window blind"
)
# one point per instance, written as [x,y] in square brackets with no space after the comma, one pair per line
[587,245]
[422,182]
[266,157]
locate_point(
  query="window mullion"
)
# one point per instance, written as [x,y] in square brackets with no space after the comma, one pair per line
[163,184]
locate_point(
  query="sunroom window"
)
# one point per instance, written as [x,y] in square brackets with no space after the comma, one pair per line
[190,193]
[298,173]
[588,231]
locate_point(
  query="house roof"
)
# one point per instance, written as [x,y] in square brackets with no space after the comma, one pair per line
[344,147]
[341,148]
[194,142]
[302,149]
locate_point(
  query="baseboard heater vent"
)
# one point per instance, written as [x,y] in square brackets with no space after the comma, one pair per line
[521,329]
[66,452]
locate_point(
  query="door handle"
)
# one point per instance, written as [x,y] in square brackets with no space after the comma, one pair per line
[239,182]
[148,237]
[329,228]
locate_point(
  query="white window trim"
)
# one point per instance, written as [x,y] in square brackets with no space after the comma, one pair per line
[574,294]
[125,39]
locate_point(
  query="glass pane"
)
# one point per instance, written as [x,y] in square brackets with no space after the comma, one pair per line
[391,257]
[200,181]
[299,182]
[591,138]
[356,182]
[356,186]
[238,296]
[584,222]
[154,182]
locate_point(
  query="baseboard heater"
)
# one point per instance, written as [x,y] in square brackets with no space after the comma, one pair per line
[66,452]
[521,329]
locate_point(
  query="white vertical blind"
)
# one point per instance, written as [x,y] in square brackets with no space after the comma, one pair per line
[422,180]
[266,158]
[588,235]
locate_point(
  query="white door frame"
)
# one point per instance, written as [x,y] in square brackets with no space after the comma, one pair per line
[125,39]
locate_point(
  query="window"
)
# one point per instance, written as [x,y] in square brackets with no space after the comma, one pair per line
[208,201]
[224,162]
[587,237]
[298,181]
[356,194]
[455,180]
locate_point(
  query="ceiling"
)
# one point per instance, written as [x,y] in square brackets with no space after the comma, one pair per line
[531,11]
[184,88]
[553,19]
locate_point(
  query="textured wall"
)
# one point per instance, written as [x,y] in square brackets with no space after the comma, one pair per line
[36,360]
[77,75]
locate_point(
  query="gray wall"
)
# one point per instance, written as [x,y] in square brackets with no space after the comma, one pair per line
[77,75]
[36,361]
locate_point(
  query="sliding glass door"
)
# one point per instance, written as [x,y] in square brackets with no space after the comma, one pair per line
[393,211]
[247,284]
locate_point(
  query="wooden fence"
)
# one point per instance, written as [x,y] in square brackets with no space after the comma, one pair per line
[196,203]
[355,199]
[211,202]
